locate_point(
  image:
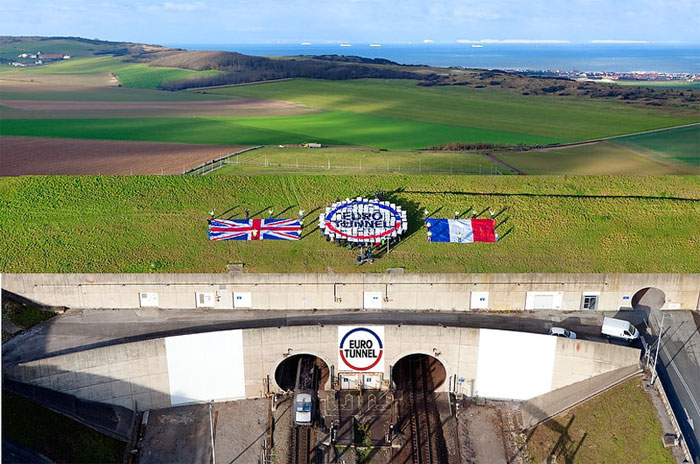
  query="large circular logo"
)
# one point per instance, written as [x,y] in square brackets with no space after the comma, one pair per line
[363,220]
[361,349]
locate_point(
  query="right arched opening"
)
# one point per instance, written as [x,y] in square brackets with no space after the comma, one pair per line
[418,371]
[649,298]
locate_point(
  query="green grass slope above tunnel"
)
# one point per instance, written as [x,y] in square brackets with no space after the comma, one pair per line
[563,118]
[158,224]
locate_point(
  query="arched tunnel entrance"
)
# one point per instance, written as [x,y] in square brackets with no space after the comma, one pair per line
[286,371]
[418,371]
[416,377]
[648,299]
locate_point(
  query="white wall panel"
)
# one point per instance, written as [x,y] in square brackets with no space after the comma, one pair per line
[514,365]
[543,300]
[207,366]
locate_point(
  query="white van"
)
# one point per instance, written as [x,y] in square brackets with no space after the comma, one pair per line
[619,329]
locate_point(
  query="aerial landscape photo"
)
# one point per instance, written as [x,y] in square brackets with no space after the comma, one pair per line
[348,232]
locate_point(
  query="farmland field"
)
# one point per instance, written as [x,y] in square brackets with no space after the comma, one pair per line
[680,145]
[97,94]
[567,119]
[679,85]
[62,109]
[35,155]
[546,224]
[132,75]
[358,161]
[598,158]
[337,128]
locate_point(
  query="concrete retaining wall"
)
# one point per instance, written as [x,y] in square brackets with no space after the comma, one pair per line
[545,406]
[446,292]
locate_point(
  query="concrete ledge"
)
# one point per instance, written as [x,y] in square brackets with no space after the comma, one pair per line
[544,407]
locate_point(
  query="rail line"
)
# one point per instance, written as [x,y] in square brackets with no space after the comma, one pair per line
[300,445]
[420,413]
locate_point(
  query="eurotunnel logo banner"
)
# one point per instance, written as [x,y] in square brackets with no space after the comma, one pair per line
[363,221]
[361,348]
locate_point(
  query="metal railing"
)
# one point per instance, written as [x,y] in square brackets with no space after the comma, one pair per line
[209,166]
[492,170]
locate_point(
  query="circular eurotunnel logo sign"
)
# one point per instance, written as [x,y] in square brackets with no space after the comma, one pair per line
[363,221]
[361,349]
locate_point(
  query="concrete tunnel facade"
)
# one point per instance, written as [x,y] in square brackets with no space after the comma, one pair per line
[241,363]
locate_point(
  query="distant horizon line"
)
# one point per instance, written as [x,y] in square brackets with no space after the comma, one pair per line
[428,42]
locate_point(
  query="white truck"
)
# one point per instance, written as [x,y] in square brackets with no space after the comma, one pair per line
[619,329]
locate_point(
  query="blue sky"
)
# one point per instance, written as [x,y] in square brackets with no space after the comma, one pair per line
[359,21]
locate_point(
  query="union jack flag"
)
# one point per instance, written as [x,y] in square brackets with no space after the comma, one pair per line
[254,229]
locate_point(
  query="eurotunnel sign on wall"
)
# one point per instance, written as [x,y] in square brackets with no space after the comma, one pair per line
[361,349]
[362,220]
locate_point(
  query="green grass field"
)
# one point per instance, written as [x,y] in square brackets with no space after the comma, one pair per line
[561,118]
[357,161]
[102,94]
[602,158]
[618,426]
[678,146]
[56,436]
[677,85]
[550,224]
[71,47]
[131,75]
[328,128]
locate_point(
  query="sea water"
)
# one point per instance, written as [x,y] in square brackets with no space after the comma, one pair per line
[668,58]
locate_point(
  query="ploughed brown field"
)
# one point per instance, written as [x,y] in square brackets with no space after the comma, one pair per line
[36,155]
[24,109]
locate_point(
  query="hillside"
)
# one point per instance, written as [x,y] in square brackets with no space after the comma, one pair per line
[228,68]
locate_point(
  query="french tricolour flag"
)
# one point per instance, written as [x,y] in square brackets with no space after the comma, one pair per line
[461,230]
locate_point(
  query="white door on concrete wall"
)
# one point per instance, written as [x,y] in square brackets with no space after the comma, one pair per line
[242,300]
[372,381]
[205,299]
[543,300]
[480,300]
[373,300]
[349,381]
[147,299]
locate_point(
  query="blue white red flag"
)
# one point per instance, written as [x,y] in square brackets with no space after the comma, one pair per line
[254,229]
[461,230]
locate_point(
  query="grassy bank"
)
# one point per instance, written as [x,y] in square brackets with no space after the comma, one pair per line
[547,224]
[59,438]
[619,426]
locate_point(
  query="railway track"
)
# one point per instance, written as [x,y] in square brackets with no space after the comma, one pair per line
[420,416]
[301,445]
